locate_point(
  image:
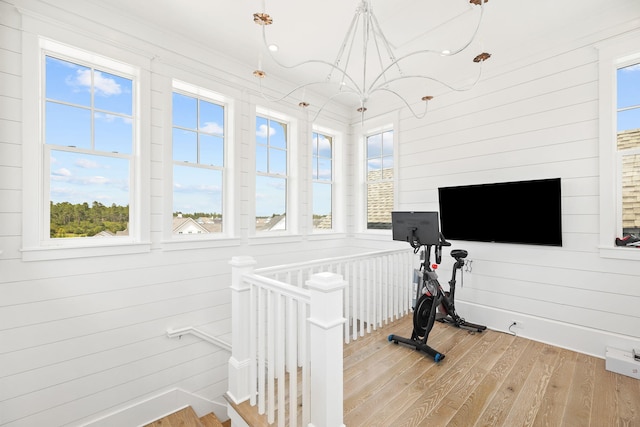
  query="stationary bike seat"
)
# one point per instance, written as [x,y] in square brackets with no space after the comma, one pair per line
[459,253]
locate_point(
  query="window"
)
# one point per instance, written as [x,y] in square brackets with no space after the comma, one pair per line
[619,133]
[198,147]
[271,174]
[322,181]
[379,180]
[89,146]
[628,146]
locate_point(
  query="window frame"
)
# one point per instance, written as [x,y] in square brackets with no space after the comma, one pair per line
[291,176]
[36,243]
[613,54]
[335,222]
[201,93]
[388,122]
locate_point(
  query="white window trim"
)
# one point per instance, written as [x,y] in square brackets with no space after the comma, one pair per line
[226,237]
[613,54]
[36,244]
[381,124]
[337,177]
[293,198]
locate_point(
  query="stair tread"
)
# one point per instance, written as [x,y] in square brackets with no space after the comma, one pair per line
[210,420]
[183,418]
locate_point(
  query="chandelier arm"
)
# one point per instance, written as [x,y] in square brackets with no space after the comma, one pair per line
[335,95]
[386,44]
[349,35]
[334,67]
[417,116]
[430,51]
[302,86]
[416,76]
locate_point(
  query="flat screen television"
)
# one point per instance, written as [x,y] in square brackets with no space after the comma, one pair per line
[417,228]
[523,212]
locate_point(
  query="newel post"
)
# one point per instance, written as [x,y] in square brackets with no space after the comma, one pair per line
[325,329]
[239,360]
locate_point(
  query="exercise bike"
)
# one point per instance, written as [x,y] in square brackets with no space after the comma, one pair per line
[432,302]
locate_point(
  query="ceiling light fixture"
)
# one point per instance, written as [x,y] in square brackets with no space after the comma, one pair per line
[376,49]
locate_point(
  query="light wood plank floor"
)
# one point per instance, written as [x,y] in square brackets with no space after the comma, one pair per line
[486,379]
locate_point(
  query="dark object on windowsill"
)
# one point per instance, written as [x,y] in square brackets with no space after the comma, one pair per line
[628,240]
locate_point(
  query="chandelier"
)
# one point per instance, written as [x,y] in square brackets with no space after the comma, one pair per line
[382,68]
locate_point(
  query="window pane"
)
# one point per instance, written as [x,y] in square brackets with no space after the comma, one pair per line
[271,201]
[211,118]
[211,150]
[628,82]
[67,126]
[262,130]
[374,146]
[379,205]
[322,206]
[197,200]
[185,111]
[631,194]
[68,82]
[387,143]
[112,93]
[629,139]
[261,159]
[324,170]
[324,146]
[113,133]
[185,146]
[89,195]
[278,135]
[387,166]
[277,161]
[629,119]
[374,170]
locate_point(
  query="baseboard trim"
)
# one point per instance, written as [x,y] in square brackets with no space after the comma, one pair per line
[573,337]
[159,406]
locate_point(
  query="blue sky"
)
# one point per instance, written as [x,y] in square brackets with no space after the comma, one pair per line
[629,95]
[80,177]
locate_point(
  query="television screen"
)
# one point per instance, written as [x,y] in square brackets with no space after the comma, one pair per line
[419,227]
[525,212]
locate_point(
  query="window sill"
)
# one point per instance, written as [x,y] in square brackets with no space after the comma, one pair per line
[179,244]
[624,253]
[83,251]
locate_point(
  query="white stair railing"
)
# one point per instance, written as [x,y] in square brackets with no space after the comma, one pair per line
[378,289]
[288,318]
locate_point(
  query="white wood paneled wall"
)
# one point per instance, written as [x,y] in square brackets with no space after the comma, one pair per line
[80,338]
[83,338]
[531,119]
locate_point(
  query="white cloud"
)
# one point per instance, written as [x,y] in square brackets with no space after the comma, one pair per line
[61,172]
[86,164]
[264,131]
[212,127]
[103,85]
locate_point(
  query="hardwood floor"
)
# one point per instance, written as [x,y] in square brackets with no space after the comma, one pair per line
[486,379]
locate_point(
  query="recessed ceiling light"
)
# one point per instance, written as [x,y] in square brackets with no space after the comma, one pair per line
[273,47]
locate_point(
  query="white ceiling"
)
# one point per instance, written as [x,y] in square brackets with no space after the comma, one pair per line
[305,29]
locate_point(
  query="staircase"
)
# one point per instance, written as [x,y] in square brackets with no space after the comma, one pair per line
[187,418]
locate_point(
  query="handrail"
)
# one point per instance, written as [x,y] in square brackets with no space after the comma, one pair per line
[324,261]
[172,333]
[276,285]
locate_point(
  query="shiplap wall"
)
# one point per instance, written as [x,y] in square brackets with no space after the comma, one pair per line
[82,338]
[532,118]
